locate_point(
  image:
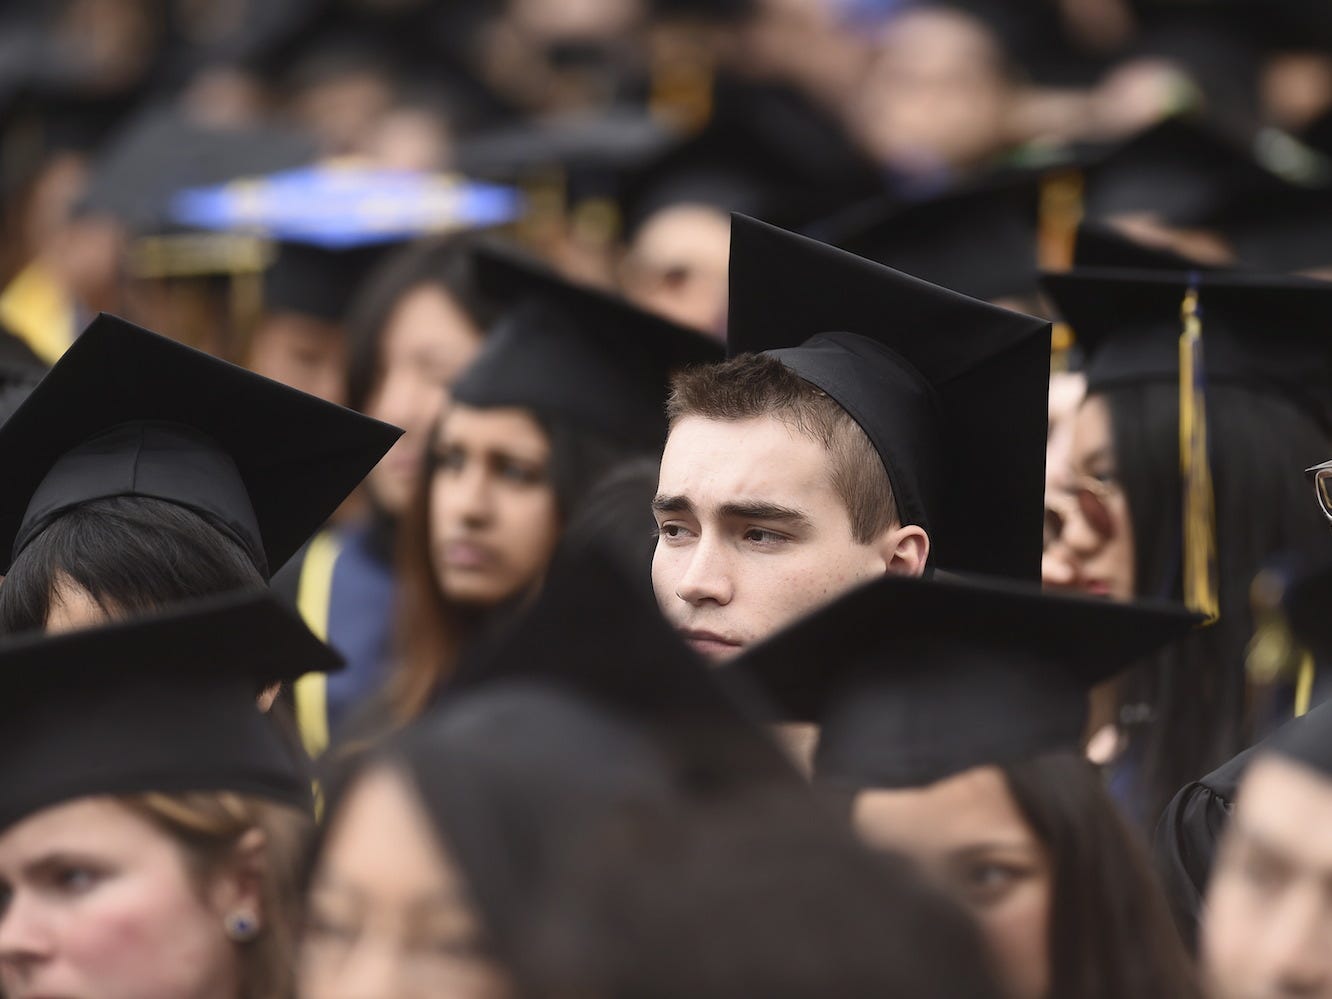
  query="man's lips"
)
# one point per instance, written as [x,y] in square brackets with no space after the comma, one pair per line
[709,642]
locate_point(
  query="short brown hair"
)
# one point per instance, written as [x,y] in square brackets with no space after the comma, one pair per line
[753,385]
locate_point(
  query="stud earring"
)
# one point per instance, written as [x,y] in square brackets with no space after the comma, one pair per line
[242,926]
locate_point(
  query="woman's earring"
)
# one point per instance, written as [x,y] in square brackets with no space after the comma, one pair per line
[242,926]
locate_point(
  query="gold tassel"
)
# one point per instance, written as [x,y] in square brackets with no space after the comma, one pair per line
[1199,505]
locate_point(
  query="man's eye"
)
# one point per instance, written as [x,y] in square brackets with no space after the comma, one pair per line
[672,532]
[759,536]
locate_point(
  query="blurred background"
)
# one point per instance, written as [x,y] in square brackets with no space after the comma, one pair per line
[617,135]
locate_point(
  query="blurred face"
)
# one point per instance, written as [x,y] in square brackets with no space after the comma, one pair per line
[936,97]
[302,352]
[967,831]
[1267,927]
[678,266]
[1089,536]
[427,343]
[752,533]
[96,901]
[389,916]
[494,517]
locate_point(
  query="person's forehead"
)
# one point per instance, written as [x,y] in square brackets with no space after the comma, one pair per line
[1288,807]
[759,459]
[961,812]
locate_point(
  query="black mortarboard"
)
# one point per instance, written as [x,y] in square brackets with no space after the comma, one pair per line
[980,240]
[913,680]
[317,281]
[1286,230]
[1181,170]
[1099,245]
[593,633]
[577,353]
[128,412]
[1308,740]
[1262,331]
[161,152]
[765,150]
[950,391]
[163,703]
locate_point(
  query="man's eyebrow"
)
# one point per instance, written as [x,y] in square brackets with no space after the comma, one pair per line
[672,504]
[759,510]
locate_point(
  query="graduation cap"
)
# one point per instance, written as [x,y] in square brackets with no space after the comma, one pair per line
[162,151]
[577,353]
[980,240]
[1262,331]
[594,634]
[765,150]
[950,391]
[913,680]
[1181,170]
[1287,230]
[155,704]
[1099,245]
[128,412]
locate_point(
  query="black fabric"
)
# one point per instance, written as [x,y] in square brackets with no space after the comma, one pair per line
[267,461]
[165,703]
[1308,740]
[950,391]
[1184,846]
[1264,332]
[915,679]
[317,282]
[1100,245]
[577,353]
[979,240]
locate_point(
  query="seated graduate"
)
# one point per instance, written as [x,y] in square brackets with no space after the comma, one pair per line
[867,423]
[140,471]
[1147,518]
[953,713]
[571,382]
[588,713]
[1267,921]
[151,818]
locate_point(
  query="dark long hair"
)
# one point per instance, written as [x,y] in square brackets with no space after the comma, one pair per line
[1111,935]
[445,265]
[1196,690]
[130,554]
[432,630]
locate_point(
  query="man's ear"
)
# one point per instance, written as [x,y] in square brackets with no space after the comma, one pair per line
[904,550]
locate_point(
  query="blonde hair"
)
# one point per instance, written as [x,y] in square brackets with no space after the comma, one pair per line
[208,826]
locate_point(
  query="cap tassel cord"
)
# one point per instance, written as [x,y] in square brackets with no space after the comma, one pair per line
[1200,571]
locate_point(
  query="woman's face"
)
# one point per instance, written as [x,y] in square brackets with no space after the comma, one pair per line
[494,519]
[96,901]
[1092,549]
[427,343]
[388,914]
[967,831]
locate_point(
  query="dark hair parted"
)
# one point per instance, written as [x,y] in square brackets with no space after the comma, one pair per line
[1111,934]
[752,386]
[432,630]
[445,265]
[130,554]
[1197,690]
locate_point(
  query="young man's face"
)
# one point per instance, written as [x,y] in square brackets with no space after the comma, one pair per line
[752,533]
[1267,927]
